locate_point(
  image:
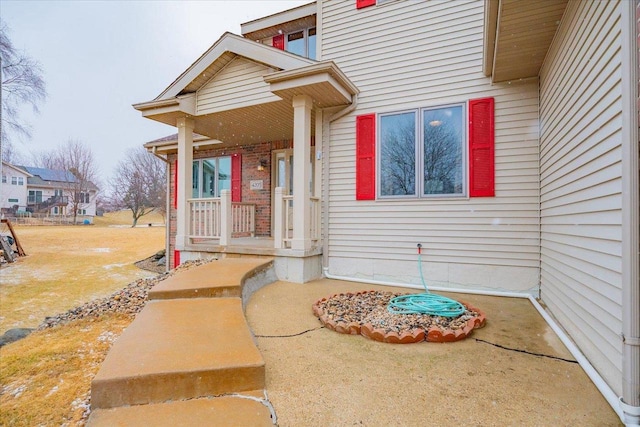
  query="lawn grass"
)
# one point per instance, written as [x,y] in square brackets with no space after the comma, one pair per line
[45,378]
[69,265]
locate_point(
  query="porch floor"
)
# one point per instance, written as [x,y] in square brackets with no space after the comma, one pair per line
[262,246]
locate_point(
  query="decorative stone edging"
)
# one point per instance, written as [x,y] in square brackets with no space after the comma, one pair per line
[433,334]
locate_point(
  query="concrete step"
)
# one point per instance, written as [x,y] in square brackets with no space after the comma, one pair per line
[221,278]
[225,411]
[180,349]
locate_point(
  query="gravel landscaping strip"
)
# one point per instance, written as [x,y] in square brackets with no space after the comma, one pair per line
[128,300]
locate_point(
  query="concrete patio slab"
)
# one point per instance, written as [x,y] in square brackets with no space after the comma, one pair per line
[180,349]
[226,411]
[322,378]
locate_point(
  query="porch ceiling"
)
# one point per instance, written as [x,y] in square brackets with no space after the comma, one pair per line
[518,34]
[242,126]
[249,125]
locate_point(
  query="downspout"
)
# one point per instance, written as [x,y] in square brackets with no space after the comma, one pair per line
[167,208]
[630,399]
[325,178]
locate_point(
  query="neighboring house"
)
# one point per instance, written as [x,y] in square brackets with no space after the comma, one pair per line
[502,135]
[13,188]
[56,193]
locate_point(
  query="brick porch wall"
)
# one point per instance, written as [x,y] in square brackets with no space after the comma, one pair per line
[251,157]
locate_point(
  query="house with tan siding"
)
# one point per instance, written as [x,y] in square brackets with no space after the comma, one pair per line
[501,135]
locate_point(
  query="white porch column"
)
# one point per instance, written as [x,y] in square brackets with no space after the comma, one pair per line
[184,185]
[302,105]
[317,158]
[226,221]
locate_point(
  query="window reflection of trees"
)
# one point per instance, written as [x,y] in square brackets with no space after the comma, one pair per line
[398,155]
[442,152]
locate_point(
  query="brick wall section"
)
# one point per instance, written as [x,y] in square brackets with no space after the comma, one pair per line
[251,157]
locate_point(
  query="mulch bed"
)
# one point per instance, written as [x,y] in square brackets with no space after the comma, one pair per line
[365,313]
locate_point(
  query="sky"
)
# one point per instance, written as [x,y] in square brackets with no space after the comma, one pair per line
[99,57]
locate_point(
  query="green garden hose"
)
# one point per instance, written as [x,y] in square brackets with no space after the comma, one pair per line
[426,303]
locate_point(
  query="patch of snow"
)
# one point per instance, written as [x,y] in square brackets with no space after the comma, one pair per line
[110,266]
[14,390]
[107,336]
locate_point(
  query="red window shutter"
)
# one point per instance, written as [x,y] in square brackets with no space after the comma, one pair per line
[175,185]
[236,178]
[176,258]
[278,41]
[364,3]
[366,157]
[481,148]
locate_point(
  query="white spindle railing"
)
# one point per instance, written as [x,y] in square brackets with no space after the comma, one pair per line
[204,218]
[243,218]
[287,227]
[206,222]
[283,230]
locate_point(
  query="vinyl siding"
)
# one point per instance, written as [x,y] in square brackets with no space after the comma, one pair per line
[580,166]
[404,55]
[239,76]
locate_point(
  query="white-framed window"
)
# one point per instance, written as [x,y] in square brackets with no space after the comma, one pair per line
[14,180]
[211,176]
[20,180]
[14,200]
[4,179]
[35,196]
[302,43]
[422,153]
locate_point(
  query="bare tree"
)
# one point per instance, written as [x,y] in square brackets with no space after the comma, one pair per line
[22,84]
[78,172]
[138,184]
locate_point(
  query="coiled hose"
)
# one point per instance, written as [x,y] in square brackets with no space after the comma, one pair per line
[426,303]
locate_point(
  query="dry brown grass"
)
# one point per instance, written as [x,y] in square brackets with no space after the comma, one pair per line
[69,265]
[45,377]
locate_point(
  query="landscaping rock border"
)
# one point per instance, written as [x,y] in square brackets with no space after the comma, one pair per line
[365,313]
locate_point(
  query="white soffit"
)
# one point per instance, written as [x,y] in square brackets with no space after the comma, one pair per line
[524,31]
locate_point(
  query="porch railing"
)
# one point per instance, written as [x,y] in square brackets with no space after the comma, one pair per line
[243,218]
[283,214]
[204,218]
[211,218]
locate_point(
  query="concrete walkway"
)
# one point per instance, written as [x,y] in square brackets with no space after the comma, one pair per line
[189,357]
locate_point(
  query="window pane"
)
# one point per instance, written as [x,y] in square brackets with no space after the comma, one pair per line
[443,151]
[295,43]
[195,183]
[311,42]
[398,154]
[224,174]
[209,178]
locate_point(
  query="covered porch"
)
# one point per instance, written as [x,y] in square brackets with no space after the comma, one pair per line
[247,160]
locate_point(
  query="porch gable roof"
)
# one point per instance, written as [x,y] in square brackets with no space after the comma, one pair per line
[240,91]
[227,47]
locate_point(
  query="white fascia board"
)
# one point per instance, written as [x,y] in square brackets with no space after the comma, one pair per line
[278,18]
[489,36]
[318,68]
[181,104]
[240,46]
[311,80]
